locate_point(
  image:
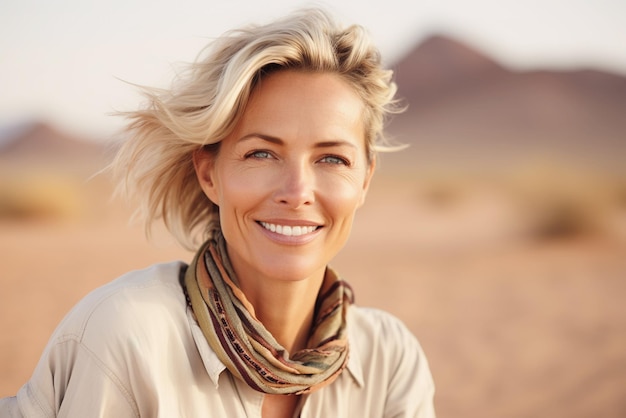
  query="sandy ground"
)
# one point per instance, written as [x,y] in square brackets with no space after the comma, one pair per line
[512,328]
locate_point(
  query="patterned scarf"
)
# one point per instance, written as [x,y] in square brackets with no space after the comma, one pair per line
[243,344]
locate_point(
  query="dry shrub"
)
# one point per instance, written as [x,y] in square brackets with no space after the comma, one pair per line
[537,201]
[442,194]
[561,202]
[39,196]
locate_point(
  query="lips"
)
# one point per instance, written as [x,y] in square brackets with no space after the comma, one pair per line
[289,230]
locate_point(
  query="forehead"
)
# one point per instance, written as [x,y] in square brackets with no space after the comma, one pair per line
[313,99]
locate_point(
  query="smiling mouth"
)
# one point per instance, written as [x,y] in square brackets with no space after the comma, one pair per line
[287,230]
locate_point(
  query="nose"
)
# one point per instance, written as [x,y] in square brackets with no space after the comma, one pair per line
[296,185]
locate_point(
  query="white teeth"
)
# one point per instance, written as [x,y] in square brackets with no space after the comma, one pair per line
[290,231]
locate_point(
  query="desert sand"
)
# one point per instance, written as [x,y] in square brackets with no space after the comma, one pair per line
[512,326]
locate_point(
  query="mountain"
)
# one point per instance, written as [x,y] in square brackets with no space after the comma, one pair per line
[440,65]
[41,142]
[465,109]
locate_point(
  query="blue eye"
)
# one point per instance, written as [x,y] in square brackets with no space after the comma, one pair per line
[333,159]
[259,154]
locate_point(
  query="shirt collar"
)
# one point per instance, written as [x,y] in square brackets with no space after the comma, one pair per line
[212,363]
[354,365]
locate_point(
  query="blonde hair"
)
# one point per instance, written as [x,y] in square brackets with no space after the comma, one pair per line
[204,104]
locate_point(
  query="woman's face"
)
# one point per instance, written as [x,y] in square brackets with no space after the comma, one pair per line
[290,177]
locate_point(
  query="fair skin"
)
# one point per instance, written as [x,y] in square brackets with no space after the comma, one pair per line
[288,181]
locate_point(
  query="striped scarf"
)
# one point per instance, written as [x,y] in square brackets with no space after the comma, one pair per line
[243,344]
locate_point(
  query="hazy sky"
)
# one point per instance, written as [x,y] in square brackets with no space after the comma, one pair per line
[62,60]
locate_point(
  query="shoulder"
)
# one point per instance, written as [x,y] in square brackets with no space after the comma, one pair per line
[389,358]
[136,298]
[381,335]
[112,336]
[374,325]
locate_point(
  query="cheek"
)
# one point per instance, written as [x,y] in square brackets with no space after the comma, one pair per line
[240,190]
[343,198]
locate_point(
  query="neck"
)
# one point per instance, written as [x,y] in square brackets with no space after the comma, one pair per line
[285,308]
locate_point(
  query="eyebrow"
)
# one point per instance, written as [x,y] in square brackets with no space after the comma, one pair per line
[278,141]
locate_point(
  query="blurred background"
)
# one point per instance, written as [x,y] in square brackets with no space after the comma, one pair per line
[498,235]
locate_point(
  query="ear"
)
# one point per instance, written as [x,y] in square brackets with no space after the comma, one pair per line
[368,179]
[204,164]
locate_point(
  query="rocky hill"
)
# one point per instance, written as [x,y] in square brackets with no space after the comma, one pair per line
[466,110]
[43,143]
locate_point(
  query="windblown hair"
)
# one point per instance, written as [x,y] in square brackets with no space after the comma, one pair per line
[155,164]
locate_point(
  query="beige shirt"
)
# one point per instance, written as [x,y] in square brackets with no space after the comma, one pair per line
[133,349]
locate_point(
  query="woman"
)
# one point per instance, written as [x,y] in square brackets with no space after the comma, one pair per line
[263,150]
